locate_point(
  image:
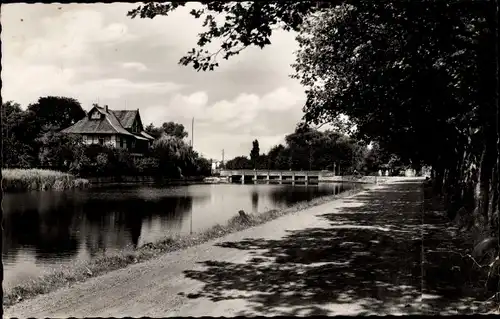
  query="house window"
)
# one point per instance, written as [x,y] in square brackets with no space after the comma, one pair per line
[107,139]
[121,142]
[84,138]
[101,140]
[95,116]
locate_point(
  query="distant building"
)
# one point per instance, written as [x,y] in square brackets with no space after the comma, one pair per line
[216,166]
[120,129]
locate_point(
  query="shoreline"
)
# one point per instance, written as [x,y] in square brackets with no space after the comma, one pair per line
[81,271]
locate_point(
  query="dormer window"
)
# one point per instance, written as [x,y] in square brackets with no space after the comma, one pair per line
[95,116]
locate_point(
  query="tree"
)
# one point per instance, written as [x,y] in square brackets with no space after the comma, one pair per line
[58,112]
[172,154]
[239,162]
[254,153]
[170,128]
[174,129]
[401,71]
[155,132]
[58,150]
[16,151]
[245,24]
[274,155]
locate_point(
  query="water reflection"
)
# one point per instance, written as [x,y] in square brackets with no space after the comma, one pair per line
[255,201]
[47,228]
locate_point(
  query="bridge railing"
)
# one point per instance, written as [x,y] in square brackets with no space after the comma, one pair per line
[261,172]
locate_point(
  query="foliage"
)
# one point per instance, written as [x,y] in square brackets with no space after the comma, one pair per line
[154,131]
[37,179]
[176,159]
[15,131]
[239,162]
[308,148]
[58,150]
[255,152]
[147,166]
[174,129]
[170,128]
[31,139]
[55,111]
[403,75]
[417,77]
[237,24]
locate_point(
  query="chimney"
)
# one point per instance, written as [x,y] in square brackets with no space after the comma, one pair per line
[106,108]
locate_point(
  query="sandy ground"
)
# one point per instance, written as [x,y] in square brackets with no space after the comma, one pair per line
[339,258]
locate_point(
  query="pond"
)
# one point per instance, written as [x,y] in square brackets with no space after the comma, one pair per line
[43,230]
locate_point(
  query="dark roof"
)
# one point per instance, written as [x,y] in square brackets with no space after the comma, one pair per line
[126,117]
[146,135]
[111,124]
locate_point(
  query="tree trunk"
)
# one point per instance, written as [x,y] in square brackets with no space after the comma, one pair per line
[488,160]
[493,210]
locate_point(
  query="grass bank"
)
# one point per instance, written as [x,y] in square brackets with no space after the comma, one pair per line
[68,275]
[15,180]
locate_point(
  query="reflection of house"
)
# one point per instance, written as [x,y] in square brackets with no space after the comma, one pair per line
[120,129]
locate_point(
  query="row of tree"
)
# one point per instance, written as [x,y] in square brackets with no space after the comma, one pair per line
[418,77]
[310,149]
[32,139]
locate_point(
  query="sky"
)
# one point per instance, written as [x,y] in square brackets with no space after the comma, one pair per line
[96,54]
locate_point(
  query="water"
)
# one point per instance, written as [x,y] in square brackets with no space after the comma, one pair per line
[43,230]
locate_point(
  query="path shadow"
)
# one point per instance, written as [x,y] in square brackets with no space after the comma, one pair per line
[368,261]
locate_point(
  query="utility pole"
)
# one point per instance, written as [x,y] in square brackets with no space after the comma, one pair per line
[222,158]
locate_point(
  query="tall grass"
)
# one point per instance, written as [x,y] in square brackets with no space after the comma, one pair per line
[80,271]
[39,179]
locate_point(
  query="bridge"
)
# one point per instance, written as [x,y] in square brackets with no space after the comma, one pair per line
[285,177]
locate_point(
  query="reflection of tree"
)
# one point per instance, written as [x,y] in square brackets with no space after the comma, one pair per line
[19,229]
[42,220]
[288,195]
[175,210]
[128,216]
[105,220]
[255,200]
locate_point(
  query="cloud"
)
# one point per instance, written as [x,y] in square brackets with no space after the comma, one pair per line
[267,118]
[134,66]
[95,52]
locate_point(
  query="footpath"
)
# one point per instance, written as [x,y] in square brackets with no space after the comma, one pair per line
[358,255]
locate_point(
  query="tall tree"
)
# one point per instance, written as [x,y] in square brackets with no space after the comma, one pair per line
[174,129]
[56,111]
[154,131]
[401,71]
[254,153]
[17,137]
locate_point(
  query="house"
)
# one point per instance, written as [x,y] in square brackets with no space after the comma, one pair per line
[120,129]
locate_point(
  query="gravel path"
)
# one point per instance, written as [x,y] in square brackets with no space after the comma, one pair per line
[361,254]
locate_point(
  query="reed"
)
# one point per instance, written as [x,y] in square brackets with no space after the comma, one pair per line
[15,180]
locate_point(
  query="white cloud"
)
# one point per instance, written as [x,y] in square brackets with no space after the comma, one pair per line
[94,51]
[36,81]
[134,66]
[232,122]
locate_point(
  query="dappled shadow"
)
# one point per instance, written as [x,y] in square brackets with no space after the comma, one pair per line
[367,261]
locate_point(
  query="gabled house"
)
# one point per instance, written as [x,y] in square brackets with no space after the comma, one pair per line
[120,129]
